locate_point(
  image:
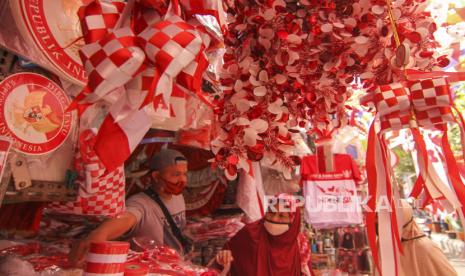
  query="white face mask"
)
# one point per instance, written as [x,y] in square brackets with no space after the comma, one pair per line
[275,229]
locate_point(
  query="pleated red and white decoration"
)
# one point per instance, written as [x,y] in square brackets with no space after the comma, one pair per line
[100,193]
[106,259]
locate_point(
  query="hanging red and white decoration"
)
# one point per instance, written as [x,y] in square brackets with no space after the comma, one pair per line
[290,65]
[144,57]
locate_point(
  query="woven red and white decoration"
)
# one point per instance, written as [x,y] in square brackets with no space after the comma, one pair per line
[156,49]
[171,45]
[111,62]
[99,193]
[414,104]
[99,18]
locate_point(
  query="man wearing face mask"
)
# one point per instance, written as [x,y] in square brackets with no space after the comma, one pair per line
[268,247]
[157,214]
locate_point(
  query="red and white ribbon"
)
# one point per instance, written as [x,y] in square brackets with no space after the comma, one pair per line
[381,202]
[418,103]
[106,258]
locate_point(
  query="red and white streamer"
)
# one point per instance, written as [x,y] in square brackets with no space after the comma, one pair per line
[418,103]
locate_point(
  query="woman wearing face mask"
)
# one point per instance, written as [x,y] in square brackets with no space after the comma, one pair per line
[268,247]
[421,255]
[156,215]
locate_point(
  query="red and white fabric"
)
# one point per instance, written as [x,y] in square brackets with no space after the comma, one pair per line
[172,45]
[98,18]
[139,94]
[116,140]
[331,197]
[99,193]
[381,204]
[191,76]
[138,91]
[106,258]
[176,117]
[111,62]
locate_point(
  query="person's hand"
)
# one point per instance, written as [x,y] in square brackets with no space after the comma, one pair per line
[224,258]
[80,248]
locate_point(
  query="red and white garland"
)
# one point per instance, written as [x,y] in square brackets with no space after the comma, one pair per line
[290,64]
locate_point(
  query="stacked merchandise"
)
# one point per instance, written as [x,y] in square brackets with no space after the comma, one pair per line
[166,261]
[210,235]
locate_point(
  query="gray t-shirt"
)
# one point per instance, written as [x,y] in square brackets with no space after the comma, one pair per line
[152,224]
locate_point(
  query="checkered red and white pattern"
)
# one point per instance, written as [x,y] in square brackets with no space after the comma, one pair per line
[172,45]
[152,66]
[145,18]
[98,18]
[111,62]
[432,102]
[106,259]
[393,105]
[428,99]
[98,194]
[392,98]
[138,90]
[430,93]
[435,117]
[191,76]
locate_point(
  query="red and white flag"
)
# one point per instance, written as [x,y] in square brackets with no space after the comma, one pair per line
[116,140]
